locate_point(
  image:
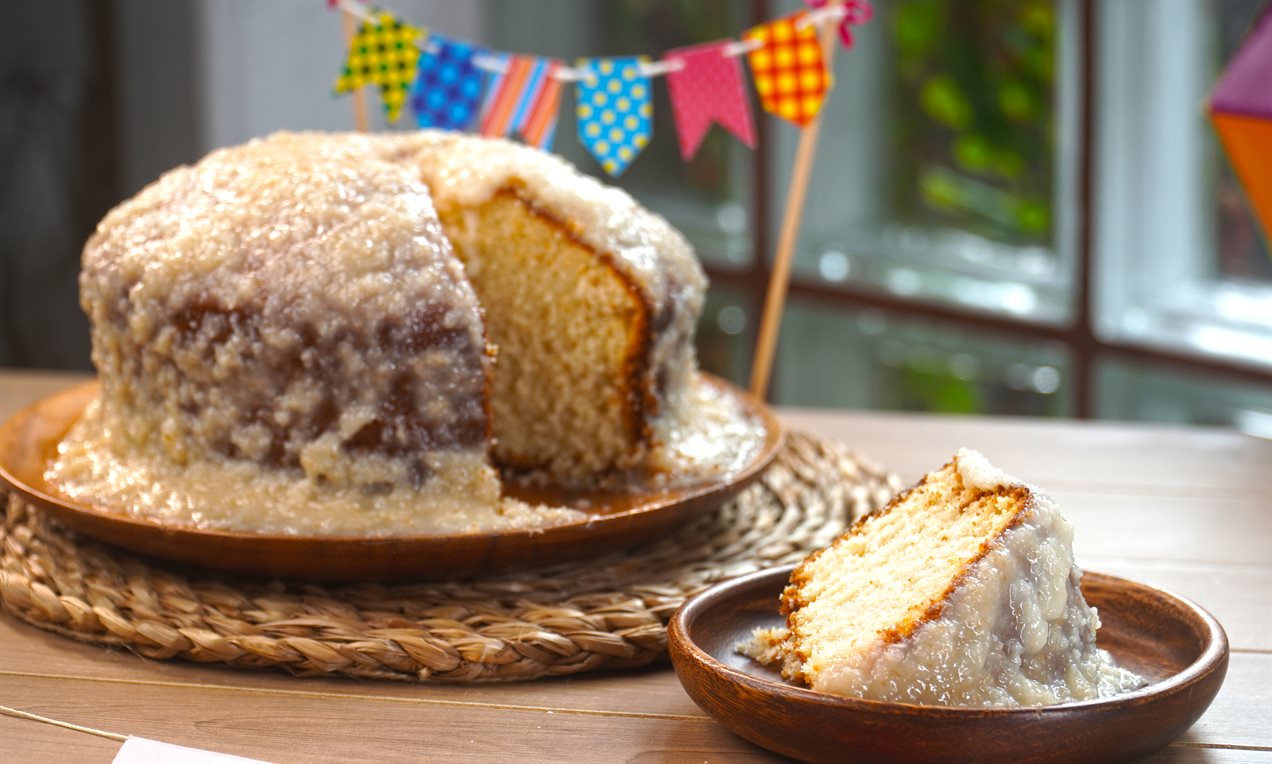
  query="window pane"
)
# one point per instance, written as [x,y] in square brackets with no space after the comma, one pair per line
[970,107]
[1150,393]
[726,334]
[870,359]
[1179,261]
[708,199]
[943,170]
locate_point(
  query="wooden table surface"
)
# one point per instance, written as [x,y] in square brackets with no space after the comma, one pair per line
[1186,509]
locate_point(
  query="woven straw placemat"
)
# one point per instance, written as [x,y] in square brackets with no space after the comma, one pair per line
[605,613]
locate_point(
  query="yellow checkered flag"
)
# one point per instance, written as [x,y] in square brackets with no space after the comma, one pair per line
[384,52]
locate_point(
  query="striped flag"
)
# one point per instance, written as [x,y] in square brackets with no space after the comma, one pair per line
[524,97]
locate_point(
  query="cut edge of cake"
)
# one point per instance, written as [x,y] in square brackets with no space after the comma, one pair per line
[618,420]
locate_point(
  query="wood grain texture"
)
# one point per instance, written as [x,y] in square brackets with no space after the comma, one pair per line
[32,741]
[1175,507]
[1235,594]
[1176,529]
[1242,712]
[357,729]
[1118,459]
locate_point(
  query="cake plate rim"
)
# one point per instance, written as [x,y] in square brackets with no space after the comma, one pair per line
[29,438]
[739,692]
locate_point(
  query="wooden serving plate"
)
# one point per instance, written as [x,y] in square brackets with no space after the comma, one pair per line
[1178,647]
[28,443]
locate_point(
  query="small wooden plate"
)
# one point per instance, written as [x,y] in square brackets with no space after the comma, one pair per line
[1178,647]
[28,443]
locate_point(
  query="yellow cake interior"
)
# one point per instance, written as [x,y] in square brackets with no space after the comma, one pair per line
[567,329]
[875,584]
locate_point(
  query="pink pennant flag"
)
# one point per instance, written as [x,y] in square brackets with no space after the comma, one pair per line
[707,87]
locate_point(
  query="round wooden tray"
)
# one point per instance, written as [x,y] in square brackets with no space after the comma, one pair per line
[1178,647]
[28,443]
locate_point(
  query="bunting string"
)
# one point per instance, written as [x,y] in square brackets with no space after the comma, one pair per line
[458,85]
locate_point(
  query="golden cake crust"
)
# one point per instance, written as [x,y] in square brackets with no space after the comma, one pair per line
[793,597]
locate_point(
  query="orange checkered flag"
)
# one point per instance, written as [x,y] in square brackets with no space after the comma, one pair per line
[788,68]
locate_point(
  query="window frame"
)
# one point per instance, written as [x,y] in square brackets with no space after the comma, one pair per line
[1086,345]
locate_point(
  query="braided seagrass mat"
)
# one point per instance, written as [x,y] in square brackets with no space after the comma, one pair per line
[605,613]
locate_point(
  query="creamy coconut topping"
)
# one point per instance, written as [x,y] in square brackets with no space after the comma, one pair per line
[277,328]
[976,472]
[719,438]
[95,467]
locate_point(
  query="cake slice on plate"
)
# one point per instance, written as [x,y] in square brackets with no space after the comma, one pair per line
[962,592]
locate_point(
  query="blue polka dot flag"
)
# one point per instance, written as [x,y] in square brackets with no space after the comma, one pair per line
[615,110]
[447,88]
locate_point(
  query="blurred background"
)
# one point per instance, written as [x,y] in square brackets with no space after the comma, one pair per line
[1018,206]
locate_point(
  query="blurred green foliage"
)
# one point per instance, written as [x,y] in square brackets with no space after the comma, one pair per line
[972,120]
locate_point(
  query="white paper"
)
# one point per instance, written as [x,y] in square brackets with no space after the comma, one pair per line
[139,750]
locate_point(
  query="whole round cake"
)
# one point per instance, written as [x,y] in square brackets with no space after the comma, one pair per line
[352,334]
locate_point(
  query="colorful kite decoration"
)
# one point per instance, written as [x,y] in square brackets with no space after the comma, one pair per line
[1241,110]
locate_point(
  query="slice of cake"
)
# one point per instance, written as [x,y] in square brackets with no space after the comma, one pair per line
[961,592]
[365,334]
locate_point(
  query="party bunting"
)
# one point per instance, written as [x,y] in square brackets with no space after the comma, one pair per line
[447,88]
[383,53]
[706,87]
[457,85]
[524,97]
[615,110]
[788,68]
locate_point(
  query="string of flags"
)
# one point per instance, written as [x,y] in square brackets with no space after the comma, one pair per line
[458,85]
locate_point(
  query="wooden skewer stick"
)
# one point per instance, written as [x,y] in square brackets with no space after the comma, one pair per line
[775,299]
[359,95]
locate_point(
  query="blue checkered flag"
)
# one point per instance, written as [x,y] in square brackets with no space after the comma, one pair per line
[448,87]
